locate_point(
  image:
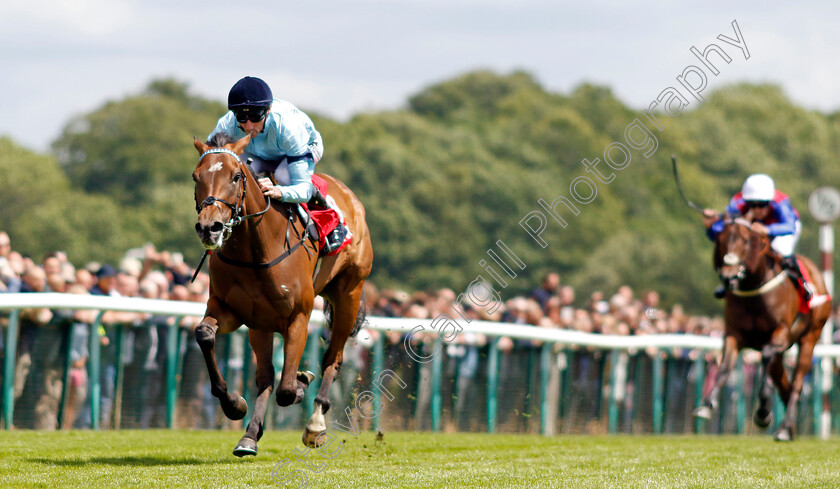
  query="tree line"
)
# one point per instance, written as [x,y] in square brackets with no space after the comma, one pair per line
[446,177]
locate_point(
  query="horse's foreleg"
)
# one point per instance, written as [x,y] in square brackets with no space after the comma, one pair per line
[710,401]
[261,344]
[233,405]
[293,384]
[771,361]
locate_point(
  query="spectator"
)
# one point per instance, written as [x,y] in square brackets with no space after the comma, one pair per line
[9,277]
[567,296]
[5,245]
[85,278]
[34,280]
[78,378]
[548,288]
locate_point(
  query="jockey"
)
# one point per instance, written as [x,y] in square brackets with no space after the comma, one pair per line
[773,214]
[284,142]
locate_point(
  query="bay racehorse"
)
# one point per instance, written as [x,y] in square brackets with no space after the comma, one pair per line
[263,275]
[762,312]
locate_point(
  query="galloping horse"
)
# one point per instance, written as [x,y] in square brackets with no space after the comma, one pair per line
[762,312]
[264,276]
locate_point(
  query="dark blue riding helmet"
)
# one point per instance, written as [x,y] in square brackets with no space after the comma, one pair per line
[250,91]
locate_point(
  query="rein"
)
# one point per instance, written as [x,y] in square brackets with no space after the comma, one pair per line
[236,219]
[766,287]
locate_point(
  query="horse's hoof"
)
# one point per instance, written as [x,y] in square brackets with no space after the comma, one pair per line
[763,419]
[305,377]
[236,410]
[246,446]
[310,438]
[783,434]
[703,412]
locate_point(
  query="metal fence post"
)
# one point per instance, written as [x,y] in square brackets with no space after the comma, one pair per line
[120,377]
[9,369]
[699,383]
[437,367]
[545,376]
[65,376]
[376,388]
[658,392]
[94,370]
[173,352]
[492,384]
[612,424]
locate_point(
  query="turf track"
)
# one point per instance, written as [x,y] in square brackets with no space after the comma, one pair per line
[164,459]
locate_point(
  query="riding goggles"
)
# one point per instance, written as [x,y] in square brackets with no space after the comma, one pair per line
[253,114]
[757,203]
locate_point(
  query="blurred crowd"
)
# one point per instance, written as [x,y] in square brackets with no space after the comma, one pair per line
[153,274]
[552,305]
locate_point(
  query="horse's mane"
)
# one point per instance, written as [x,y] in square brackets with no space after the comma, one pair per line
[219,139]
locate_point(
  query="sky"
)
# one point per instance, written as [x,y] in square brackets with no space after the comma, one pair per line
[65,58]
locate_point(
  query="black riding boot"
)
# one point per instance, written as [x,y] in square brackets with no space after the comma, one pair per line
[790,264]
[335,239]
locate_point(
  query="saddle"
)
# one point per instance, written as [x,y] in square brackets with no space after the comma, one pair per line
[319,217]
[816,300]
[324,216]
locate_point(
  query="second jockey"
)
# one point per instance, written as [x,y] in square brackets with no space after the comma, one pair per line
[773,214]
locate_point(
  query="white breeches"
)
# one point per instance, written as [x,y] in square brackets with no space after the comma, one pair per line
[785,245]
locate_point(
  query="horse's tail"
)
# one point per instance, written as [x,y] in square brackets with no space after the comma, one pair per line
[360,316]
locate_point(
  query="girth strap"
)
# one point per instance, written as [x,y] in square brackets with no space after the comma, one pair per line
[284,255]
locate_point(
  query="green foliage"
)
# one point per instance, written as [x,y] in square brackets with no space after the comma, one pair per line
[127,149]
[43,213]
[446,178]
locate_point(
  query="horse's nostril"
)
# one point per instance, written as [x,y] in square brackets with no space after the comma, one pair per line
[216,227]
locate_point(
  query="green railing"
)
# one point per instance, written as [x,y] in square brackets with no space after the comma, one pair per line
[553,382]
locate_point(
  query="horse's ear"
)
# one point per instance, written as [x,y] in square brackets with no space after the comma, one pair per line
[239,146]
[201,147]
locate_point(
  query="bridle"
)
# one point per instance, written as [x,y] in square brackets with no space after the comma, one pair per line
[236,218]
[238,209]
[732,259]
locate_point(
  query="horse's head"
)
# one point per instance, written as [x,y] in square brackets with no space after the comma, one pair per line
[738,251]
[220,183]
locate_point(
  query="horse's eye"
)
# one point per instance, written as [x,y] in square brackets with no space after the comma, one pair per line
[237,178]
[195,178]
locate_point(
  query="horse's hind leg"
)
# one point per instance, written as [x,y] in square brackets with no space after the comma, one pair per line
[730,357]
[233,405]
[803,365]
[345,310]
[261,344]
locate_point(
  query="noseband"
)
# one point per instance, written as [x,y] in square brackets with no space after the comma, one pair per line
[237,210]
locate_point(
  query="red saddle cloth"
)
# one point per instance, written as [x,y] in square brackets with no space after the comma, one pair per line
[325,219]
[805,306]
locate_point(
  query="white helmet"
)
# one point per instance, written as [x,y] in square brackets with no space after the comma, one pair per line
[758,187]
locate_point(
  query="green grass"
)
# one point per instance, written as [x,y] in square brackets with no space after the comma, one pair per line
[164,459]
